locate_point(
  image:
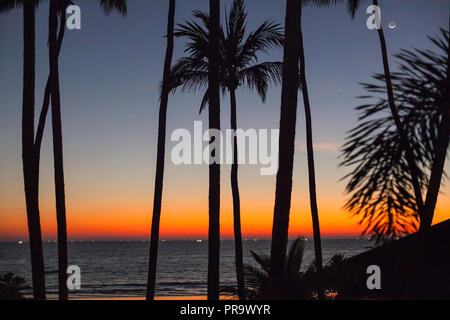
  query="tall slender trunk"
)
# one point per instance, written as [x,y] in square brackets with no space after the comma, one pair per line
[437,169]
[214,168]
[288,119]
[236,203]
[310,151]
[46,100]
[28,156]
[400,128]
[160,156]
[58,152]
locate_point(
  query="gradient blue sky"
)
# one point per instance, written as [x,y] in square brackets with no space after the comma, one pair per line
[109,73]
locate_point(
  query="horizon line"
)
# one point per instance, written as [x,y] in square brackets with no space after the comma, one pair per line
[346,237]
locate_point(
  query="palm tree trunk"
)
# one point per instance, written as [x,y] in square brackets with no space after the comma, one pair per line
[28,157]
[160,156]
[401,130]
[288,119]
[310,151]
[58,153]
[46,102]
[437,170]
[236,203]
[214,168]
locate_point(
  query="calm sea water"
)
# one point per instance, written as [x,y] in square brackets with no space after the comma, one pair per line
[120,268]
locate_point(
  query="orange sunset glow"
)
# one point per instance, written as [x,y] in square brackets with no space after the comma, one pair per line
[189,220]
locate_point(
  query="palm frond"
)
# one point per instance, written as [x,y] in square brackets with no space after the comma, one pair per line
[235,22]
[268,35]
[295,257]
[260,76]
[8,5]
[352,5]
[198,35]
[237,58]
[205,101]
[263,261]
[109,6]
[190,74]
[379,183]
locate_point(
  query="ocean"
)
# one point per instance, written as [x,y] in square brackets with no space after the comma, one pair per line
[119,269]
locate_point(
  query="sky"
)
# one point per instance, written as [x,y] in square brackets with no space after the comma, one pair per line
[110,71]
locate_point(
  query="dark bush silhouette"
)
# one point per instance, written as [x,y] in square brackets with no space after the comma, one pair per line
[11,287]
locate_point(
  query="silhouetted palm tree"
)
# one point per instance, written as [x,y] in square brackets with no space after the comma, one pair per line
[31,184]
[57,8]
[437,169]
[11,286]
[380,182]
[57,11]
[288,119]
[165,90]
[296,283]
[214,168]
[352,6]
[238,66]
[31,145]
[310,154]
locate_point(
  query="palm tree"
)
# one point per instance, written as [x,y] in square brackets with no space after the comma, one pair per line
[57,9]
[297,284]
[31,145]
[437,169]
[238,66]
[58,148]
[31,185]
[352,6]
[11,286]
[214,168]
[288,119]
[160,155]
[380,182]
[310,153]
[425,210]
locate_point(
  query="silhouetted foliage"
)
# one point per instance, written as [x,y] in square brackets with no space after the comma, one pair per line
[11,286]
[297,284]
[238,55]
[294,285]
[379,183]
[336,260]
[352,5]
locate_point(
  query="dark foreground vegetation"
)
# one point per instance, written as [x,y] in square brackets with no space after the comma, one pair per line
[414,267]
